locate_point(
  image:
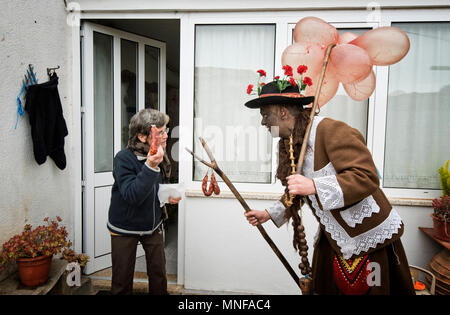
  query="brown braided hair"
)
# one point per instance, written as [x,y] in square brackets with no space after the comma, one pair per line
[284,168]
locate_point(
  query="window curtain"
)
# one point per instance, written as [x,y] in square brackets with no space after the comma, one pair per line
[342,107]
[418,110]
[226,60]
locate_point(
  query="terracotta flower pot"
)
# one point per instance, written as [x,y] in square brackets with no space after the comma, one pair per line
[441,229]
[34,271]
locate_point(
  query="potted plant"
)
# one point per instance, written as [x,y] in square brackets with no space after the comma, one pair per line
[441,206]
[71,256]
[33,249]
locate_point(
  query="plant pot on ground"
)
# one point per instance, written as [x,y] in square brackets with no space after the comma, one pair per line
[33,250]
[441,218]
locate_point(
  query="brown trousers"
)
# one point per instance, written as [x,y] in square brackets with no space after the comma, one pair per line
[123,254]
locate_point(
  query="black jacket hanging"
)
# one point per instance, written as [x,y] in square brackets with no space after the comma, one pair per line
[48,127]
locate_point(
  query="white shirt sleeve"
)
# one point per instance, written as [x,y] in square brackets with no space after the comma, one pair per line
[276,211]
[153,169]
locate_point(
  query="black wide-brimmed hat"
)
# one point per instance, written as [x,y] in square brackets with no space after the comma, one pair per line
[271,95]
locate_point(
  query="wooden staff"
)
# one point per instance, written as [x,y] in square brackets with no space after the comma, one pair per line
[238,196]
[313,110]
[306,282]
[311,116]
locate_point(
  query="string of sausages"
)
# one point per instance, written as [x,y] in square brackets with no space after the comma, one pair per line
[213,185]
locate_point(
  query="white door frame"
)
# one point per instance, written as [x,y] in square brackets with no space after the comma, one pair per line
[91,179]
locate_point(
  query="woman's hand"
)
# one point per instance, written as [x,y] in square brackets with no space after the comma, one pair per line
[256,217]
[300,185]
[154,160]
[174,201]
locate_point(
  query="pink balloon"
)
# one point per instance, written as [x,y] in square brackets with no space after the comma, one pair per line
[350,63]
[329,87]
[346,37]
[314,30]
[310,54]
[385,45]
[361,90]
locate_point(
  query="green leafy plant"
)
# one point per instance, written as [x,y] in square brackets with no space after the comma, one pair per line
[444,176]
[441,205]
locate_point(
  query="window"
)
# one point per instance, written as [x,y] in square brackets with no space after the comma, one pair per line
[152,74]
[226,60]
[129,85]
[103,100]
[418,111]
[341,106]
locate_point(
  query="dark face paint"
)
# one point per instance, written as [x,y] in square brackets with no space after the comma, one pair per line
[270,119]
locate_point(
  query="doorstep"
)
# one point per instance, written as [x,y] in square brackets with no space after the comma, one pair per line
[101,281]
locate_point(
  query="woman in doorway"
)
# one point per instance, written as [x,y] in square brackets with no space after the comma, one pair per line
[135,214]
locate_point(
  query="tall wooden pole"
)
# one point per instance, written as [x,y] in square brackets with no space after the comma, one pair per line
[244,204]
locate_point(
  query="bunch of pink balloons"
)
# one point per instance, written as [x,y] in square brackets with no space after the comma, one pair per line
[350,61]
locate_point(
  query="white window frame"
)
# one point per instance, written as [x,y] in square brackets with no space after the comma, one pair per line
[399,16]
[285,22]
[187,109]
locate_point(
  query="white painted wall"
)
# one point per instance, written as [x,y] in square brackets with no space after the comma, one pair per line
[225,253]
[33,32]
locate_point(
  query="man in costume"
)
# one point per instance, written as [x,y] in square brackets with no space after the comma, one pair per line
[359,231]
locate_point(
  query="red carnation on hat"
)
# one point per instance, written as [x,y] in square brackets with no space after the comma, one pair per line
[307,81]
[262,73]
[276,78]
[302,69]
[287,70]
[249,88]
[292,81]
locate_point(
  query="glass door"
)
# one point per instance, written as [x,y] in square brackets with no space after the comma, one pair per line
[122,73]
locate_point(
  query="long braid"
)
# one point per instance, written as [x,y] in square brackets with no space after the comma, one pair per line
[284,169]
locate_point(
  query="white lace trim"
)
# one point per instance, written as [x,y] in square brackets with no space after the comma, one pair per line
[356,213]
[329,192]
[361,243]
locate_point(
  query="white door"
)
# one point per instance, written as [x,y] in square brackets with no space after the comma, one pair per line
[122,73]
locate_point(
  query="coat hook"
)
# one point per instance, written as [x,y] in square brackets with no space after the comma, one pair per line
[51,71]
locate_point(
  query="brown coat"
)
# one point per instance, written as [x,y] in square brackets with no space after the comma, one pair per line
[352,210]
